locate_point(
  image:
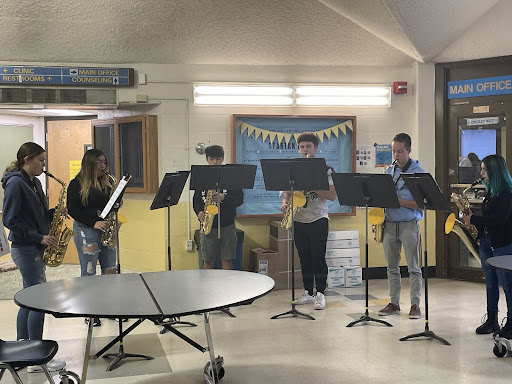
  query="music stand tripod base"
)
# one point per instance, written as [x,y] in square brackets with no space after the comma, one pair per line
[366,319]
[428,334]
[175,321]
[293,313]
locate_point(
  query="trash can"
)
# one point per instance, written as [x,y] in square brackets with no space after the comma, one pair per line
[237,261]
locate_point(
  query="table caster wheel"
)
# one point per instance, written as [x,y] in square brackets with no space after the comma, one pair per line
[208,374]
[499,350]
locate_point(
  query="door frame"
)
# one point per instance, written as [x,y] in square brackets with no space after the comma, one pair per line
[445,72]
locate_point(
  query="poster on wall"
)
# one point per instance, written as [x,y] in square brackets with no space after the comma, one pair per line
[364,156]
[274,137]
[383,156]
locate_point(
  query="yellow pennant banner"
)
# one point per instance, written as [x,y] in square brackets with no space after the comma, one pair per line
[264,133]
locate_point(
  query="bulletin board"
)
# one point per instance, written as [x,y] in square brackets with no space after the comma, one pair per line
[258,137]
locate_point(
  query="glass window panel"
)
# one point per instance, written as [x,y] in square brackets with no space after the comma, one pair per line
[132,152]
[104,141]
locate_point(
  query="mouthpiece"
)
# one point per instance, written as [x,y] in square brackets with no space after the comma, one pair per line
[48,174]
[394,162]
[477,181]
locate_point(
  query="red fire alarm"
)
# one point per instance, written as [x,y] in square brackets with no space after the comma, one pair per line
[399,87]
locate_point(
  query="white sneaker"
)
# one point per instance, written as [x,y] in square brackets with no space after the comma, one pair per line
[319,301]
[52,365]
[306,298]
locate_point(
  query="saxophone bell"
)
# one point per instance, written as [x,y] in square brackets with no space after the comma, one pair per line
[53,257]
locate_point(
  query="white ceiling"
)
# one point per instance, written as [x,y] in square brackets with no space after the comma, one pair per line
[248,32]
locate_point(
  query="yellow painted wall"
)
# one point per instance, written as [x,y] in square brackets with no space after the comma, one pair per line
[143,240]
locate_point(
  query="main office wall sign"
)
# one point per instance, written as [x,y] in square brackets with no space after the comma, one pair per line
[73,76]
[500,85]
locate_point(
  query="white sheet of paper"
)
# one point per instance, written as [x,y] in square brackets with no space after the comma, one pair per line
[4,244]
[113,198]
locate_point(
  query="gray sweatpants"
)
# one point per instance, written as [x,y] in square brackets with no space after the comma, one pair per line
[396,234]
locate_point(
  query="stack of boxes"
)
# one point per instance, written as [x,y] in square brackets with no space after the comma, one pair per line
[343,259]
[275,262]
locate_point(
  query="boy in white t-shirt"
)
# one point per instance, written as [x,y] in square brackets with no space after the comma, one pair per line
[311,227]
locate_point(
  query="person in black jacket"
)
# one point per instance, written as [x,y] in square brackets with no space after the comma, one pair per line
[88,193]
[495,235]
[25,213]
[229,200]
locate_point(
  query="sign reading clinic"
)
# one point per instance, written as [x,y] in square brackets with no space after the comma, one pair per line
[488,86]
[76,76]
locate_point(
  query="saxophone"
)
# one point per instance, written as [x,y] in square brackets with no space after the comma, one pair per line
[467,233]
[53,257]
[377,216]
[210,210]
[109,236]
[299,200]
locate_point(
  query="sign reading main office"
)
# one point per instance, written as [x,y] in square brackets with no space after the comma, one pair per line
[488,86]
[75,76]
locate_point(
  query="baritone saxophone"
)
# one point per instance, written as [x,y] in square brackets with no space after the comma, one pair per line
[53,257]
[468,233]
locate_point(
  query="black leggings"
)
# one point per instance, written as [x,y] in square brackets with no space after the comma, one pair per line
[311,241]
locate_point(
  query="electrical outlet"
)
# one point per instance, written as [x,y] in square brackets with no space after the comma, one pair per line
[190,245]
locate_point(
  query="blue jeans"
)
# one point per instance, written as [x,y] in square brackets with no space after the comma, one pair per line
[90,250]
[29,260]
[494,277]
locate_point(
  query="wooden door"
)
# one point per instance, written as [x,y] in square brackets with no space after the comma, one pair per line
[66,140]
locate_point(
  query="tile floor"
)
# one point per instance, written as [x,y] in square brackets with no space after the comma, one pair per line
[294,350]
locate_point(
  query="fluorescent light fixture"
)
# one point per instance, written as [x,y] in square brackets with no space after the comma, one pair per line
[242,95]
[317,95]
[329,90]
[308,95]
[53,112]
[346,100]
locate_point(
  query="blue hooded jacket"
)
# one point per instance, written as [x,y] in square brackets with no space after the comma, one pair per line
[25,212]
[403,213]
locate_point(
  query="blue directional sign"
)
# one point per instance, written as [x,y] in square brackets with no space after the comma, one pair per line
[76,76]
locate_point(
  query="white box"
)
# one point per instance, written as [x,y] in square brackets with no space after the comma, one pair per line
[342,243]
[343,235]
[342,252]
[335,277]
[353,277]
[343,261]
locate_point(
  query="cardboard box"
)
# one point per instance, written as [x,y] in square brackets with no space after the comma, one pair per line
[343,252]
[278,232]
[343,261]
[343,235]
[265,262]
[335,277]
[283,248]
[342,243]
[353,277]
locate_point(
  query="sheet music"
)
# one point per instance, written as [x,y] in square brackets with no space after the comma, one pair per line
[4,244]
[115,195]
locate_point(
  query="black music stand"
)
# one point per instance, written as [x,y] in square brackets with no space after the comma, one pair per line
[169,194]
[366,190]
[220,177]
[121,353]
[303,174]
[426,194]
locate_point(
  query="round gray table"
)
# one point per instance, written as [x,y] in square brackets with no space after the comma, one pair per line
[500,262]
[154,296]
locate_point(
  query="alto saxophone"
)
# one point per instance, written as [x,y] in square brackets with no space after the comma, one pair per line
[109,236]
[468,233]
[210,210]
[299,200]
[53,257]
